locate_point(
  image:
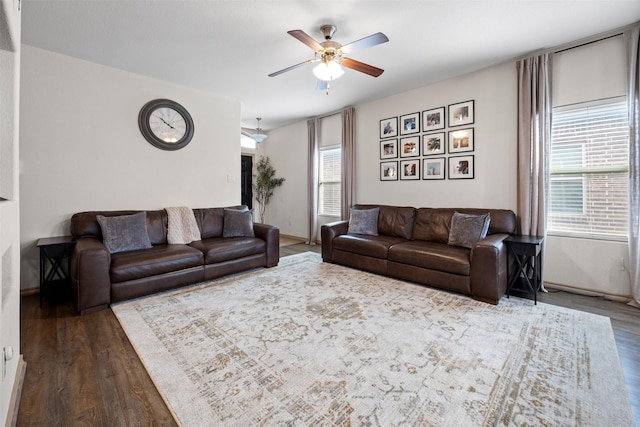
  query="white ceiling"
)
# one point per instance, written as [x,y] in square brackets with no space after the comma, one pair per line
[228,47]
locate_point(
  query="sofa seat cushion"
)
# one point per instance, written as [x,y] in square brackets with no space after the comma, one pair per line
[434,256]
[221,249]
[159,259]
[373,246]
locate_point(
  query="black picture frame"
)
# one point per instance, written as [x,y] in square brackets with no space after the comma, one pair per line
[462,113]
[461,141]
[409,146]
[389,171]
[434,168]
[434,144]
[409,124]
[462,167]
[388,127]
[389,149]
[410,169]
[433,119]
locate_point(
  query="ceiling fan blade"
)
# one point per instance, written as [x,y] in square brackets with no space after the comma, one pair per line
[372,40]
[306,39]
[277,73]
[362,67]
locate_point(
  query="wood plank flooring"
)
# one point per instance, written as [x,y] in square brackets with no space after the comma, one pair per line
[82,370]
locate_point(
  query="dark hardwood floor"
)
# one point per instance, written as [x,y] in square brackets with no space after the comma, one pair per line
[82,370]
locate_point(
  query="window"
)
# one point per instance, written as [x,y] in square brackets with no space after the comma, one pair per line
[589,165]
[330,172]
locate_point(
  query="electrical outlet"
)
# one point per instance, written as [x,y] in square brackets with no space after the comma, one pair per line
[622,267]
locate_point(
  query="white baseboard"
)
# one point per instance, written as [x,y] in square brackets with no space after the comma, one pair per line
[16,393]
[580,291]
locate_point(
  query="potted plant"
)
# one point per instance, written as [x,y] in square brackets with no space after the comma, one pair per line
[266,182]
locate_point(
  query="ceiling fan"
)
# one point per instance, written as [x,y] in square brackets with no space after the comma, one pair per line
[332,55]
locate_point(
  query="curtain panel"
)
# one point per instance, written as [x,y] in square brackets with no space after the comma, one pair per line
[632,38]
[534,134]
[348,189]
[312,181]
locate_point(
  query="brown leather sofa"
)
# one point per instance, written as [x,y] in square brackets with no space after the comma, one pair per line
[99,278]
[413,245]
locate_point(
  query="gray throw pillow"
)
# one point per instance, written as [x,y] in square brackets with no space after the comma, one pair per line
[237,223]
[467,230]
[124,233]
[364,221]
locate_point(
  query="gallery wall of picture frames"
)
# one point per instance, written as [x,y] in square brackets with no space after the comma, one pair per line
[434,144]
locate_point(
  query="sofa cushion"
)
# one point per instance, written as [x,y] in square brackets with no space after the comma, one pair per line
[364,221]
[373,246]
[467,229]
[220,249]
[433,256]
[432,225]
[159,259]
[237,223]
[396,221]
[124,233]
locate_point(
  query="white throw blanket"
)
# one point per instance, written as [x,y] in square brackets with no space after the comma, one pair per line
[182,227]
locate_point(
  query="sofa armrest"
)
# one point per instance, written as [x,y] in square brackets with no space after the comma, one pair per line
[90,281]
[327,233]
[489,268]
[271,235]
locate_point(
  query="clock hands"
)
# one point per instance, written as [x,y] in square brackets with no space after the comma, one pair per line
[164,121]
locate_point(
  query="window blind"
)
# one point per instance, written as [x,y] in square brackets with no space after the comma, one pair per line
[330,172]
[589,165]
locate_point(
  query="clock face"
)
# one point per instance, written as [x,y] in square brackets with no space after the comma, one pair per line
[165,124]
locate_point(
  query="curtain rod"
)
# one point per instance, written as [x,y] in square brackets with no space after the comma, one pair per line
[581,42]
[330,114]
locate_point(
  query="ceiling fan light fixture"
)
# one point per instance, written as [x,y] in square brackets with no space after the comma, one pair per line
[258,137]
[328,71]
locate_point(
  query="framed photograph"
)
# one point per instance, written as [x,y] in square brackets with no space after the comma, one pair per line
[410,147]
[433,168]
[461,167]
[410,169]
[388,127]
[461,141]
[433,143]
[433,119]
[389,171]
[389,149]
[410,123]
[461,114]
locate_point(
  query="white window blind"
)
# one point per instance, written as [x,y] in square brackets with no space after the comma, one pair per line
[589,165]
[329,181]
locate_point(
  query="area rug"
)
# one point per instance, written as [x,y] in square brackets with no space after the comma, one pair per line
[314,344]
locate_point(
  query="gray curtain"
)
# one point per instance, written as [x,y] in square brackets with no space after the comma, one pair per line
[534,134]
[348,189]
[312,180]
[633,97]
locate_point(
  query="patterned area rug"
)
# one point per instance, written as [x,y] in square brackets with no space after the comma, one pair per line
[314,344]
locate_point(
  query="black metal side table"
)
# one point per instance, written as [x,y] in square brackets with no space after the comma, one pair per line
[54,251]
[526,251]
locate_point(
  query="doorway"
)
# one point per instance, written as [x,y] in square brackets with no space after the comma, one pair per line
[246,180]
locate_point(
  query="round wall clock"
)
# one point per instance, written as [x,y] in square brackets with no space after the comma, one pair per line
[165,124]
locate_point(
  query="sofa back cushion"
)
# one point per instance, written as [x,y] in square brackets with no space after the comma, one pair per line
[434,224]
[211,220]
[85,224]
[396,221]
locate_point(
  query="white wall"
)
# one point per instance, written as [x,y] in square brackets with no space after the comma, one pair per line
[9,204]
[591,265]
[81,148]
[494,186]
[494,92]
